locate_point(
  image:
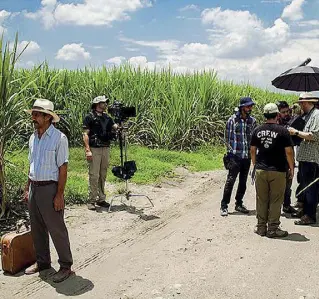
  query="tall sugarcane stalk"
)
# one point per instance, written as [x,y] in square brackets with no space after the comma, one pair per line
[11,107]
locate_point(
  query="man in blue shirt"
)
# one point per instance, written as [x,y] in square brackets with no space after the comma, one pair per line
[44,192]
[239,128]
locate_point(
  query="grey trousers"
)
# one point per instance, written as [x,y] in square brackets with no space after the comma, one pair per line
[97,173]
[44,221]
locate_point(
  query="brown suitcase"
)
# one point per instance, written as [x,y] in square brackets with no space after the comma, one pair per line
[17,251]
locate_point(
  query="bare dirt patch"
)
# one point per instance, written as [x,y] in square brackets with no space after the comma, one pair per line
[180,248]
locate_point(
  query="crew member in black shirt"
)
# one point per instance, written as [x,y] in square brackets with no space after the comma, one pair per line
[98,129]
[275,150]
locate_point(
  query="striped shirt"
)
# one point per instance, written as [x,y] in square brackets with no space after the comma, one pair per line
[309,150]
[238,135]
[47,154]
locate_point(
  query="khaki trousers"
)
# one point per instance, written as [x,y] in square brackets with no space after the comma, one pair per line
[97,173]
[270,191]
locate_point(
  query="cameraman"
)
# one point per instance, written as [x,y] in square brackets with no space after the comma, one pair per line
[98,132]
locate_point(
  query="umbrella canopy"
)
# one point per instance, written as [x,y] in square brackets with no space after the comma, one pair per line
[300,78]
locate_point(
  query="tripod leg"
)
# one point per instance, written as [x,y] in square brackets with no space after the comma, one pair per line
[111,202]
[142,195]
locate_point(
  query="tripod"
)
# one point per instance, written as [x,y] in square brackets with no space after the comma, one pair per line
[126,170]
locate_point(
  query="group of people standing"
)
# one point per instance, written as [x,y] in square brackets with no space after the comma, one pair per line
[270,148]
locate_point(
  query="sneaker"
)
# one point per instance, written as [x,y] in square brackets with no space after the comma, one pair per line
[62,275]
[278,233]
[289,210]
[223,212]
[261,231]
[91,206]
[241,209]
[103,204]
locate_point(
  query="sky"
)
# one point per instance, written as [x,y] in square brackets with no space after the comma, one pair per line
[250,41]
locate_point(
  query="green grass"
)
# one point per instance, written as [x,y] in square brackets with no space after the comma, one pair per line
[152,166]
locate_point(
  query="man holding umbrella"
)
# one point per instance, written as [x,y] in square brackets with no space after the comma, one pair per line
[308,157]
[239,128]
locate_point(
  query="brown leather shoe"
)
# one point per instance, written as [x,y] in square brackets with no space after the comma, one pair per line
[35,268]
[62,275]
[305,220]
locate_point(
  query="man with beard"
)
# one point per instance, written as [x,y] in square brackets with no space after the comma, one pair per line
[99,129]
[239,128]
[283,120]
[308,157]
[44,192]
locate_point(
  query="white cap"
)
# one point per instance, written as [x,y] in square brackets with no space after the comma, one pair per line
[271,108]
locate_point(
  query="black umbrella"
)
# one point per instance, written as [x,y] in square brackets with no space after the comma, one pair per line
[300,78]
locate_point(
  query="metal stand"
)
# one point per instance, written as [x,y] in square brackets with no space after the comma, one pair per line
[127,193]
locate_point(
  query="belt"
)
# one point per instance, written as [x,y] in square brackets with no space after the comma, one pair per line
[42,183]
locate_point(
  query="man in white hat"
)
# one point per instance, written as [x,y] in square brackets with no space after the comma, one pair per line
[275,151]
[98,132]
[308,157]
[44,191]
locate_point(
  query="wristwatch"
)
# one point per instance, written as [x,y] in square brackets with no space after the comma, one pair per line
[297,133]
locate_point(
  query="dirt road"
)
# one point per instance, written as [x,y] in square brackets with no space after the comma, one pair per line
[181,248]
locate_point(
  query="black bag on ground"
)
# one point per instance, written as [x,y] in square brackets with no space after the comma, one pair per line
[226,160]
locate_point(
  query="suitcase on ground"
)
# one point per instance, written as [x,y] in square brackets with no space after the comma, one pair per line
[17,251]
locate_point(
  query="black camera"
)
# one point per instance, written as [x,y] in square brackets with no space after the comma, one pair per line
[121,113]
[125,172]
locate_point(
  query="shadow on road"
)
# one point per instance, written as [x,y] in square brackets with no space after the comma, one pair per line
[130,210]
[75,285]
[235,213]
[296,237]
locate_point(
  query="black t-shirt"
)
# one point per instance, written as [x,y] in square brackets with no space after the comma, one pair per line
[271,141]
[100,129]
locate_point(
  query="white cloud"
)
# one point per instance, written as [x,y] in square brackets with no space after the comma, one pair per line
[45,13]
[314,34]
[308,23]
[241,48]
[49,2]
[73,52]
[138,61]
[141,62]
[3,16]
[294,10]
[162,46]
[31,47]
[240,34]
[116,60]
[90,12]
[28,47]
[190,7]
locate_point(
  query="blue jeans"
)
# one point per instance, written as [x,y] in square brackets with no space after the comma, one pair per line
[309,171]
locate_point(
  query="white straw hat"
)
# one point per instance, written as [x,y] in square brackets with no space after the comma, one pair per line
[44,106]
